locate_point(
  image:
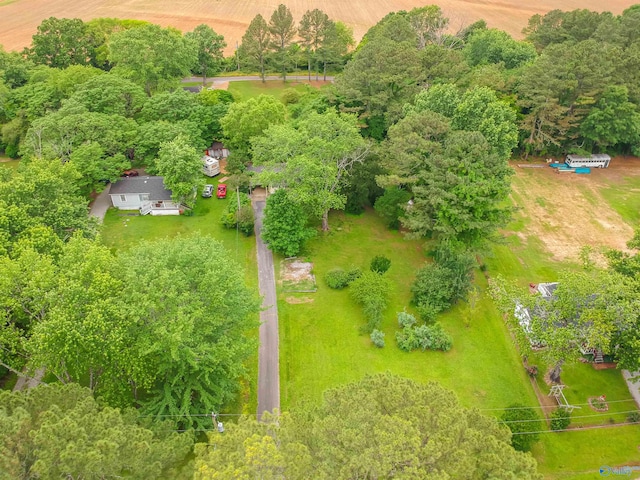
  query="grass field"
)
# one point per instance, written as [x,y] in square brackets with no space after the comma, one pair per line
[121,230]
[6,162]
[247,89]
[322,348]
[20,18]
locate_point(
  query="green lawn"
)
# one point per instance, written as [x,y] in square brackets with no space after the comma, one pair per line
[6,162]
[579,455]
[121,230]
[246,89]
[322,348]
[624,198]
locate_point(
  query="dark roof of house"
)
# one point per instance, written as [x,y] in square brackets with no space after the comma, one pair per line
[217,145]
[154,186]
[192,89]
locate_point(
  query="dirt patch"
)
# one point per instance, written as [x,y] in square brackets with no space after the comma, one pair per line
[566,211]
[220,86]
[297,276]
[298,300]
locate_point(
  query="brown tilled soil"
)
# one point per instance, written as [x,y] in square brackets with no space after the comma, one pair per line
[20,18]
[566,211]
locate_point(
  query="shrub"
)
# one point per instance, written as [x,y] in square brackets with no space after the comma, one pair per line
[290,96]
[406,319]
[380,264]
[377,337]
[427,313]
[633,417]
[442,283]
[372,292]
[337,279]
[243,219]
[426,337]
[520,419]
[284,227]
[391,204]
[353,274]
[560,418]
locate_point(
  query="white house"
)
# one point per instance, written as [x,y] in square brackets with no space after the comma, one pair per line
[146,194]
[523,315]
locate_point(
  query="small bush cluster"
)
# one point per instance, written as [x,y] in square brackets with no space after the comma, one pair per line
[560,419]
[425,337]
[372,292]
[377,337]
[634,417]
[523,422]
[380,264]
[243,218]
[339,278]
[441,284]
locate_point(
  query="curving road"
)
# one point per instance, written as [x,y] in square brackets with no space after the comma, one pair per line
[268,367]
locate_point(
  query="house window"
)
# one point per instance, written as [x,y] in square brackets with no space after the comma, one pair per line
[144,197]
[123,198]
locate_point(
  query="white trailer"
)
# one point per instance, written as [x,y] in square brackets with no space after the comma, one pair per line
[599,160]
[210,166]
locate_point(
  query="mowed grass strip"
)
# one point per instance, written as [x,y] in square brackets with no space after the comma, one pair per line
[246,89]
[579,454]
[321,346]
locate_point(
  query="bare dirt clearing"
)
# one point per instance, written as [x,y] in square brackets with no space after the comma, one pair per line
[19,19]
[567,211]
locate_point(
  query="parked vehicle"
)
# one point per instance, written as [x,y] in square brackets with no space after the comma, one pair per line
[207,191]
[210,166]
[130,173]
[222,191]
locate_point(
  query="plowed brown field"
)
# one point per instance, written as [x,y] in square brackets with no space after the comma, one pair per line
[19,18]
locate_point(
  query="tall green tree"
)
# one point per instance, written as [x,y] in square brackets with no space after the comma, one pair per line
[62,432]
[42,193]
[193,318]
[383,74]
[312,159]
[61,42]
[110,94]
[461,193]
[83,338]
[249,119]
[153,57]
[429,24]
[383,426]
[313,30]
[338,40]
[523,423]
[613,121]
[284,226]
[283,30]
[181,166]
[256,43]
[210,48]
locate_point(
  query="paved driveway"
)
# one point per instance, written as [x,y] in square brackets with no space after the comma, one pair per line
[268,367]
[101,204]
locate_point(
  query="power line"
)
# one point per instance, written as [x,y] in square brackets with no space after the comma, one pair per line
[592,427]
[576,417]
[552,406]
[182,415]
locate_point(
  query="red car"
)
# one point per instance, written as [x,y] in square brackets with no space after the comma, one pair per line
[222,191]
[130,173]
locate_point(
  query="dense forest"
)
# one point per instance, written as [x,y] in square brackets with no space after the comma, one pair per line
[420,124]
